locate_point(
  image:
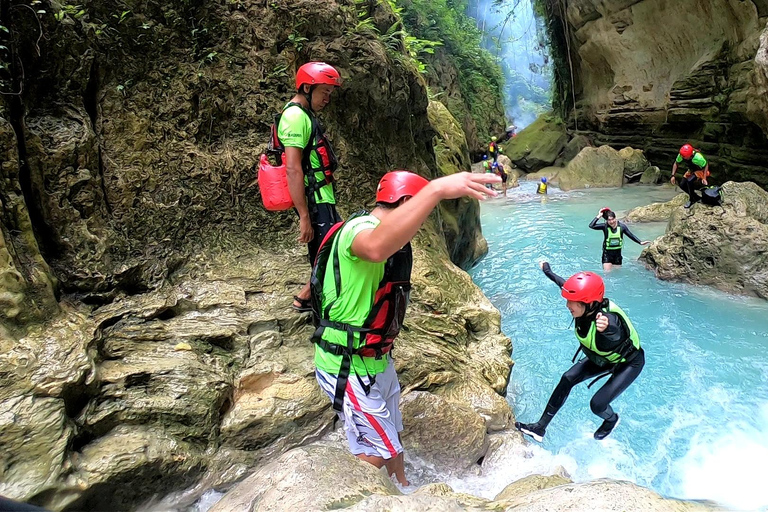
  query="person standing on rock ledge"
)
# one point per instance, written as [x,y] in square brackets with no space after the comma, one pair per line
[310,161]
[609,342]
[360,289]
[613,233]
[697,168]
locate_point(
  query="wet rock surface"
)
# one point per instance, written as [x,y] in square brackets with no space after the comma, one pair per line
[724,247]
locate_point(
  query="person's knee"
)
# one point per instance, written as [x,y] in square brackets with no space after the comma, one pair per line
[567,380]
[597,405]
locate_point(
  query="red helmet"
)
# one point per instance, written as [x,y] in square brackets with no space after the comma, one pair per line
[584,287]
[686,151]
[398,184]
[313,73]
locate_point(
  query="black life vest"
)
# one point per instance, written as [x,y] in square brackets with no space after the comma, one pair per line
[384,321]
[318,142]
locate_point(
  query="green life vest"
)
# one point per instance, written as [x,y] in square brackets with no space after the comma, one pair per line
[614,242]
[620,353]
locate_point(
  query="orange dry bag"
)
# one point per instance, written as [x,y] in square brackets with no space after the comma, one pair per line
[273,182]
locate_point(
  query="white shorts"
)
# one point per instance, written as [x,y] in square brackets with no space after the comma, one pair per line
[371,422]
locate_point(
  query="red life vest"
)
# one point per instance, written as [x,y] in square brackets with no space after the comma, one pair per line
[384,321]
[273,180]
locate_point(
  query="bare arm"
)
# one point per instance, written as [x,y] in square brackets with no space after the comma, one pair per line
[401,225]
[626,231]
[296,189]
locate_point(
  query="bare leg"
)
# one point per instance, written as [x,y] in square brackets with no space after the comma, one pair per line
[395,466]
[607,267]
[304,293]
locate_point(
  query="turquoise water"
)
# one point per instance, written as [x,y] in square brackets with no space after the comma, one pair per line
[694,425]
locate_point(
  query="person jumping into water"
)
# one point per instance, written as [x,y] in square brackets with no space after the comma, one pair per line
[613,233]
[609,342]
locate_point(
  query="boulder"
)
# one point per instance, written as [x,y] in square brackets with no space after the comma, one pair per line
[493,408]
[593,167]
[313,477]
[651,176]
[574,147]
[447,434]
[532,483]
[656,212]
[538,145]
[635,163]
[722,247]
[604,495]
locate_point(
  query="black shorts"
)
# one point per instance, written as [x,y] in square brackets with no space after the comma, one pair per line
[613,257]
[323,217]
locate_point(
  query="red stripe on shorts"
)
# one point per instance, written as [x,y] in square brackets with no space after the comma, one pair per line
[376,426]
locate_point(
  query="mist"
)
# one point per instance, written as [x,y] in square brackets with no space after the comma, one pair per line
[515,35]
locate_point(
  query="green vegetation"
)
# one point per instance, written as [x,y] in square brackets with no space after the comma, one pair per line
[421,28]
[553,12]
[479,75]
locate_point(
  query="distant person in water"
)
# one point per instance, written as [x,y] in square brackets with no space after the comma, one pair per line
[488,166]
[502,173]
[696,172]
[613,241]
[609,342]
[542,189]
[494,149]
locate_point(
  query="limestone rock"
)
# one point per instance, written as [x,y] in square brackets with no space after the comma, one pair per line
[485,401]
[413,502]
[530,484]
[460,217]
[35,435]
[445,433]
[574,147]
[604,495]
[313,477]
[651,176]
[593,167]
[645,78]
[538,145]
[656,212]
[635,163]
[109,470]
[722,247]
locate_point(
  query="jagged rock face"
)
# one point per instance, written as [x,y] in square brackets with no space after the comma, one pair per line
[140,139]
[722,247]
[593,167]
[653,74]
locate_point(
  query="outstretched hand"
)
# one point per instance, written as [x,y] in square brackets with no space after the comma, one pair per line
[601,322]
[542,263]
[466,184]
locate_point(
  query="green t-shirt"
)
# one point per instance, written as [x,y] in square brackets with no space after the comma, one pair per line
[294,131]
[359,281]
[698,161]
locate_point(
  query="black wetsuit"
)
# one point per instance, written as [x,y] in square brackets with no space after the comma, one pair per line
[612,256]
[622,374]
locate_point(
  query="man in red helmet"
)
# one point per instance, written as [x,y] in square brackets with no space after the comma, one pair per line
[609,342]
[310,161]
[360,291]
[696,168]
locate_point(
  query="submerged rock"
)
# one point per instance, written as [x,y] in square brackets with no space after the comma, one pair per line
[725,247]
[656,212]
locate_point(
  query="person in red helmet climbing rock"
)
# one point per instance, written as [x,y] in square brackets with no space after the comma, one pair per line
[610,344]
[696,169]
[360,288]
